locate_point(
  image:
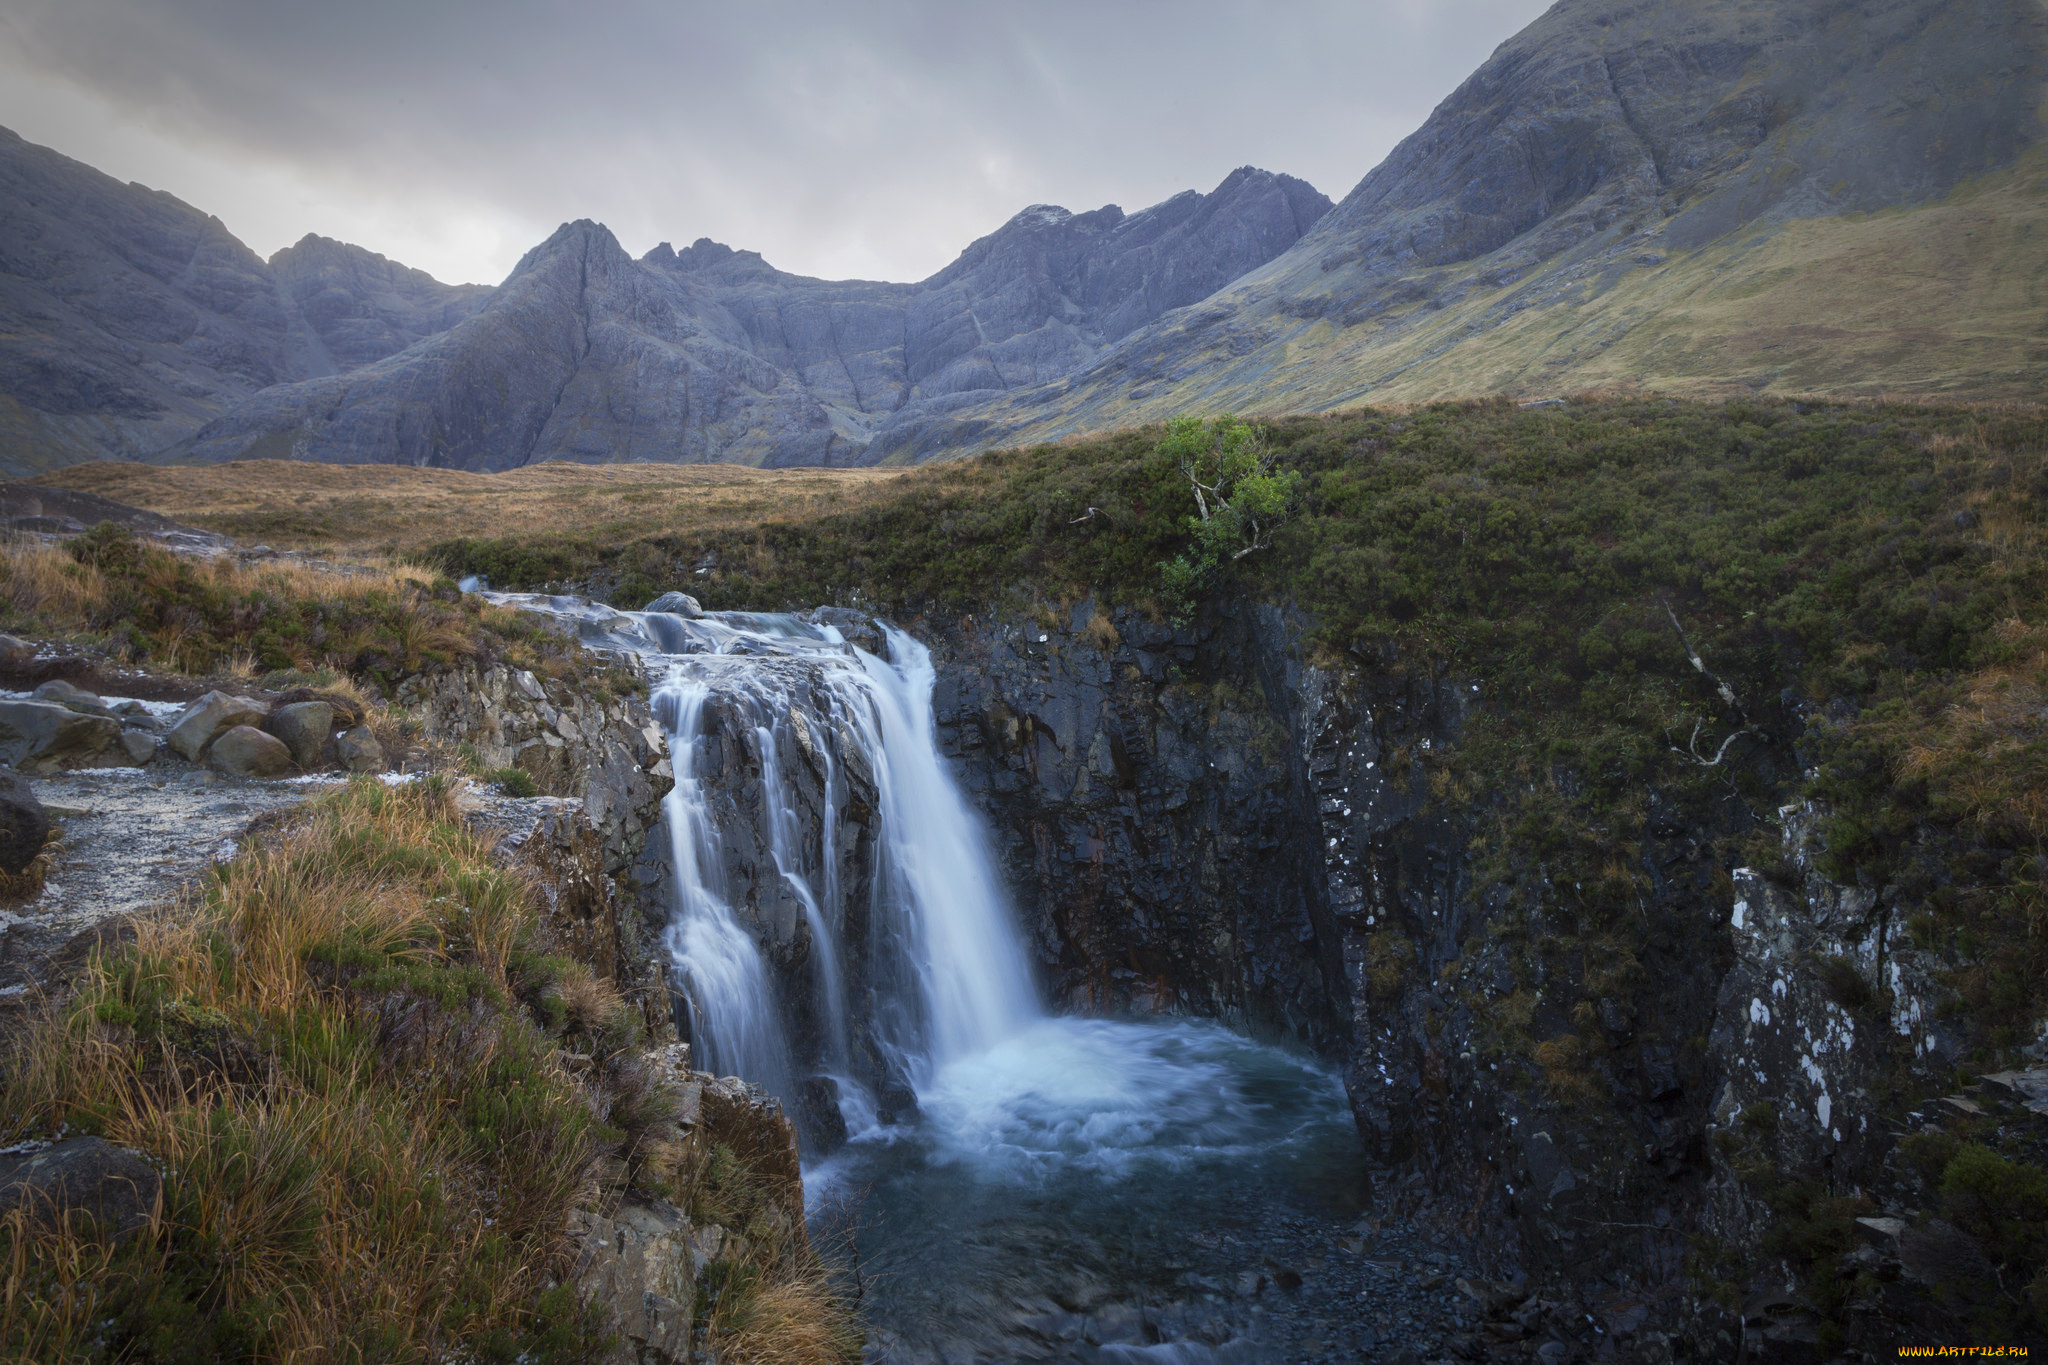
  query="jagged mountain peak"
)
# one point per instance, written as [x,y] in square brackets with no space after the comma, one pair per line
[711,353]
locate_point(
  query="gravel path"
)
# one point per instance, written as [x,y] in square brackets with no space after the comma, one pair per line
[131,838]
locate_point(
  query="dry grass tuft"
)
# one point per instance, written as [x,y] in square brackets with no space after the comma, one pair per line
[349,1057]
[792,1322]
[371,1149]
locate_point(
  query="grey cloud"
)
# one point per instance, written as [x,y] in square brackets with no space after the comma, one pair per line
[836,139]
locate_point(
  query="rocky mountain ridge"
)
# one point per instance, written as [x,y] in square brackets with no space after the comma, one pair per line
[1744,195]
[128,318]
[138,323]
[712,354]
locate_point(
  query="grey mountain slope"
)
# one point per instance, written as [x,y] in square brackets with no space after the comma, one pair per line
[129,318]
[713,354]
[1606,141]
[358,306]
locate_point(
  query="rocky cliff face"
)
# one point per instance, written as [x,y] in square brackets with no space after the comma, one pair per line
[713,354]
[133,318]
[605,768]
[1147,813]
[1206,820]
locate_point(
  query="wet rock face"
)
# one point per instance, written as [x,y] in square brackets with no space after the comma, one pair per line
[587,912]
[1143,793]
[640,1263]
[1201,821]
[786,759]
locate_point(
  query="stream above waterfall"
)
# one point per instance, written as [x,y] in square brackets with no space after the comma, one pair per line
[998,1183]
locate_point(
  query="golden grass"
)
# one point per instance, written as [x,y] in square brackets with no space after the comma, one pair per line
[371,1148]
[37,577]
[794,1321]
[365,512]
[323,1194]
[1982,751]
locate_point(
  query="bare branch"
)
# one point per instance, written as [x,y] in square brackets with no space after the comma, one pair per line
[1692,746]
[1727,692]
[1088,515]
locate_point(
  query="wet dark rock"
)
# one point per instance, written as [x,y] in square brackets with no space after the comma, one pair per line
[1938,1252]
[111,1187]
[24,824]
[676,604]
[819,1117]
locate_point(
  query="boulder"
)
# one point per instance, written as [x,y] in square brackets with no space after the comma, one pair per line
[136,716]
[24,824]
[307,728]
[111,1185]
[139,745]
[358,750]
[72,698]
[43,736]
[637,1271]
[199,723]
[16,653]
[245,751]
[676,604]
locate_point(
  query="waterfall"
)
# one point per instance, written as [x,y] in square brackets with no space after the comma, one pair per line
[737,1030]
[810,791]
[957,934]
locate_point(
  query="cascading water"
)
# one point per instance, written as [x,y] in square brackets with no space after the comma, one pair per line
[773,704]
[837,917]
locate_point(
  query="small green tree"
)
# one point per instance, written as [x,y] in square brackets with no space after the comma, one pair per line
[1239,499]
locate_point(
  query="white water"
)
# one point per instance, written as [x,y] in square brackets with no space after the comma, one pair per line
[737,1031]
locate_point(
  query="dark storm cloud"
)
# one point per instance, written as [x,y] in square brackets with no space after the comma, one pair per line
[835,138]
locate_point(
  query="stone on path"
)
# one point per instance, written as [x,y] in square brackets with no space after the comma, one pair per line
[43,736]
[24,824]
[208,717]
[72,698]
[305,727]
[245,751]
[358,750]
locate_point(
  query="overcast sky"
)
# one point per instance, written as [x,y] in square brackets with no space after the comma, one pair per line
[838,139]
